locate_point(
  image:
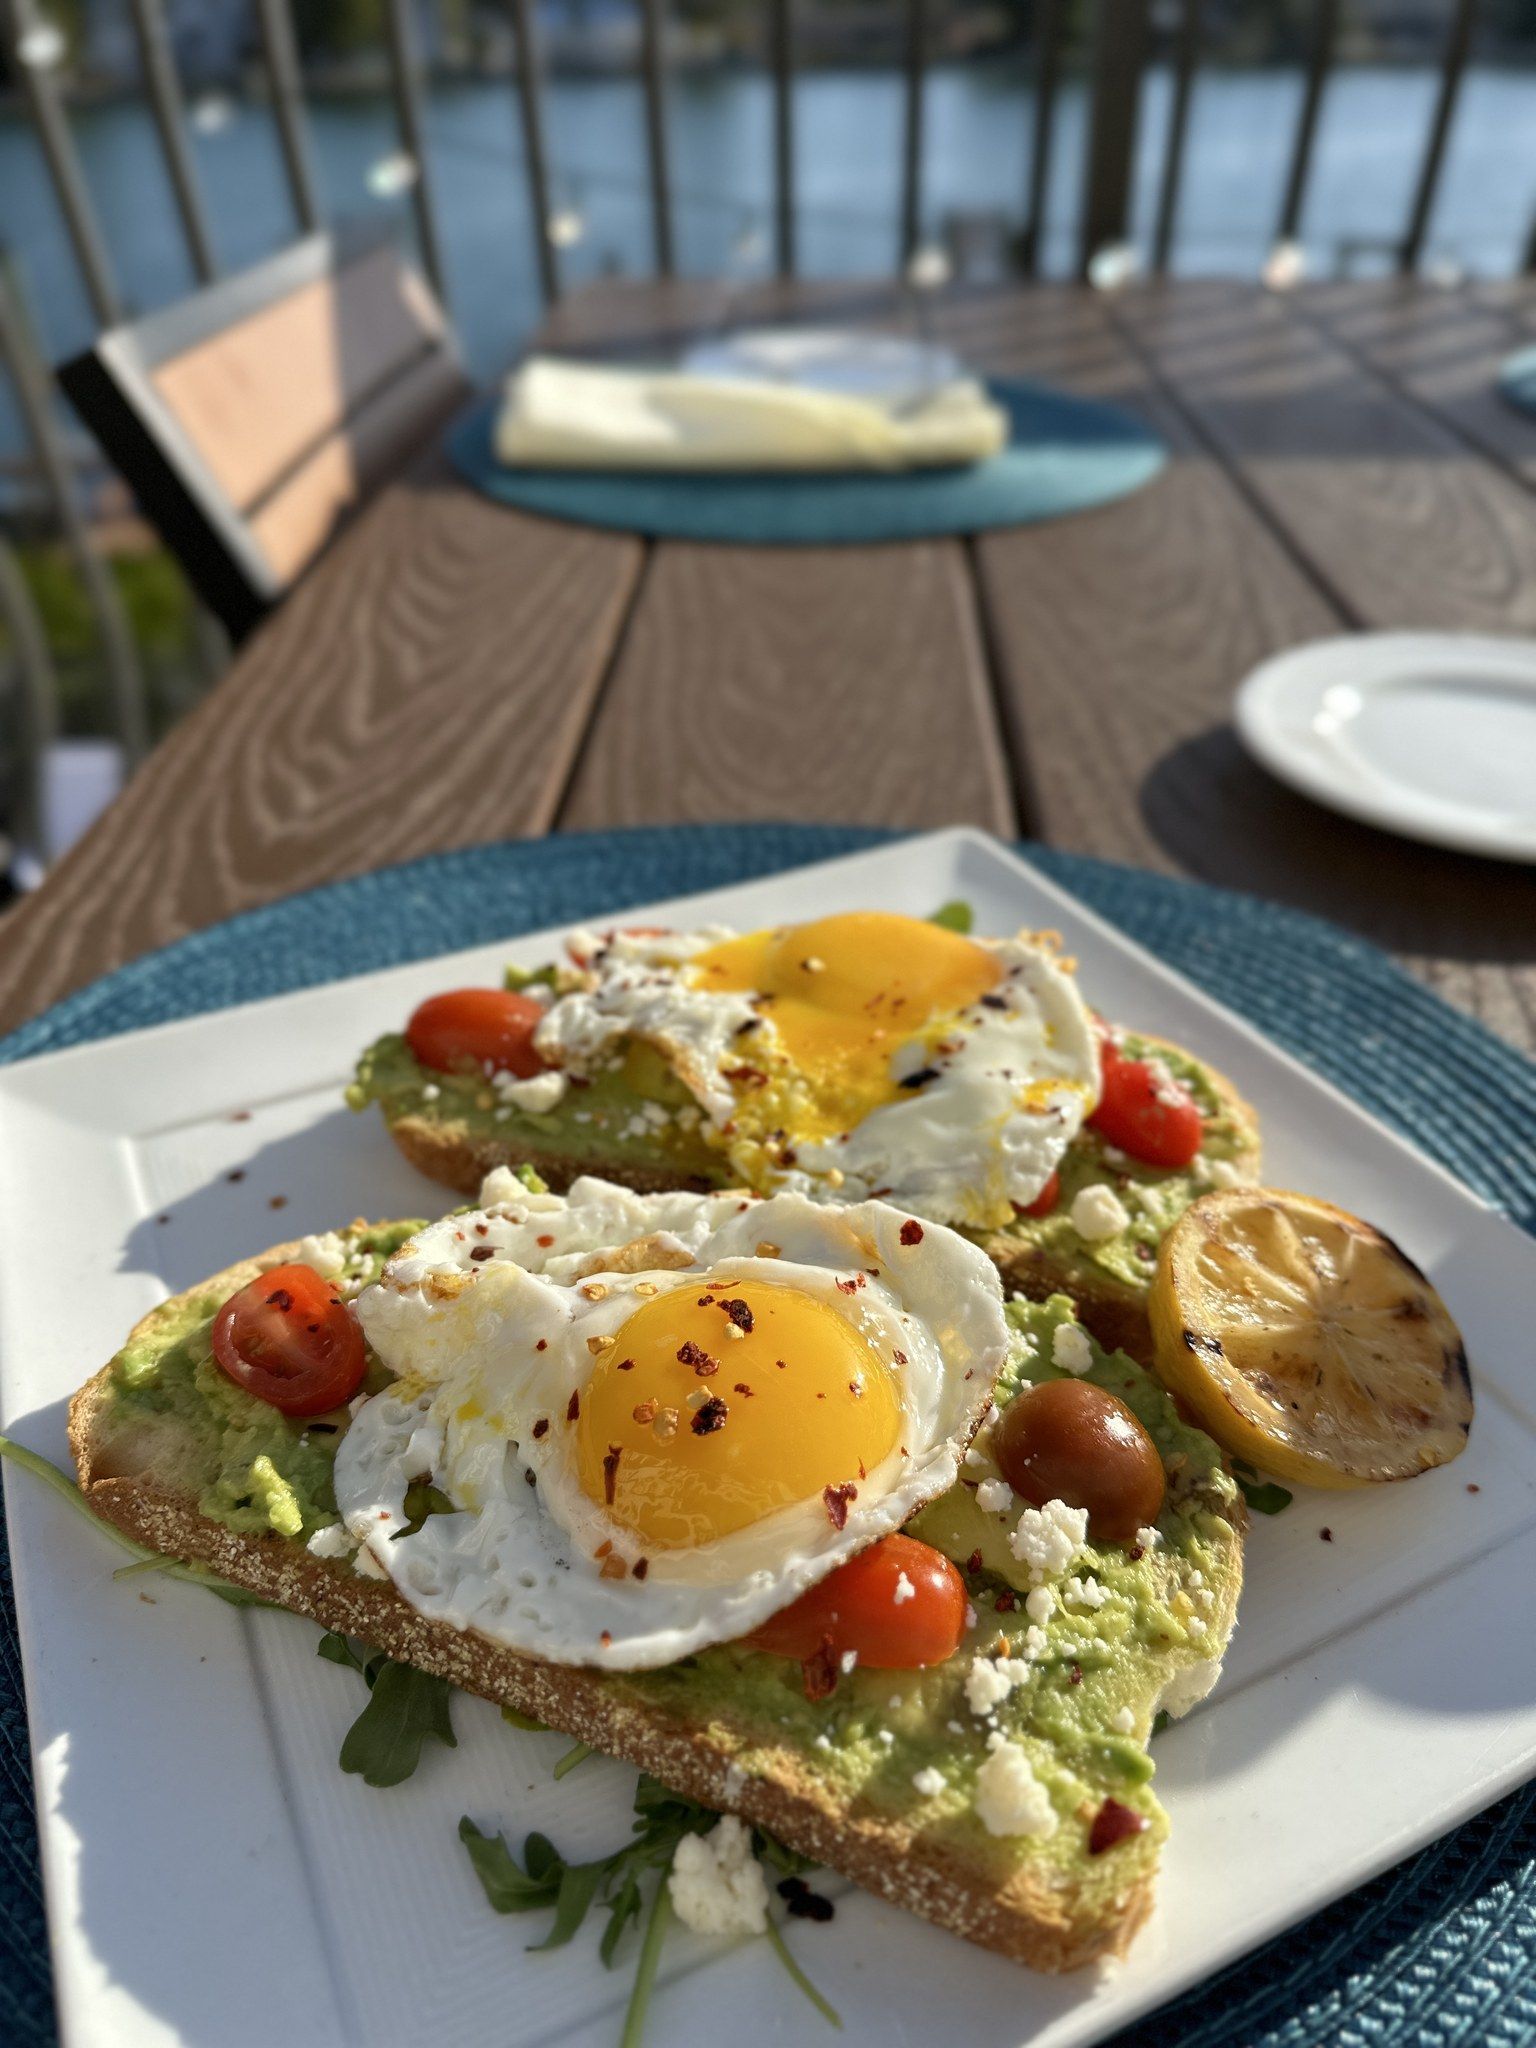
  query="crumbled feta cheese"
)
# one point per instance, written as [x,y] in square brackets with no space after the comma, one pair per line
[1010,1800]
[735,1781]
[994,1496]
[929,1782]
[847,1661]
[1225,1173]
[1040,1604]
[326,1253]
[331,1541]
[990,1680]
[716,1882]
[1098,1212]
[1147,1538]
[537,1093]
[430,1091]
[975,1457]
[1084,1593]
[970,1615]
[1036,1643]
[1122,1720]
[1070,1348]
[905,1590]
[367,1566]
[1047,1539]
[500,1186]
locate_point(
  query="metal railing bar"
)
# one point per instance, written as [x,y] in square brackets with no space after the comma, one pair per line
[37,727]
[286,85]
[1050,22]
[1185,58]
[914,63]
[1325,35]
[1120,51]
[401,40]
[653,62]
[29,379]
[527,53]
[170,119]
[46,105]
[781,55]
[1453,65]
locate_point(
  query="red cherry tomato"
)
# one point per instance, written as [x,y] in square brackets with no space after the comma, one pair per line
[1143,1112]
[1045,1201]
[288,1340]
[491,1028]
[856,1608]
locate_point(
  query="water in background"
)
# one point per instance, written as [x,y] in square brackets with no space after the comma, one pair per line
[848,133]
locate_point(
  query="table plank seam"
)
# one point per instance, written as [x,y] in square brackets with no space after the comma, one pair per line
[1300,557]
[559,809]
[1012,745]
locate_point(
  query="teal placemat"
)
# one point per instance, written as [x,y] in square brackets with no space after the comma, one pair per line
[1517,380]
[1438,1953]
[1065,455]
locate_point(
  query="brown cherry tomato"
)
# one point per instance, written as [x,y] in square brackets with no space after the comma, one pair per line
[1068,1440]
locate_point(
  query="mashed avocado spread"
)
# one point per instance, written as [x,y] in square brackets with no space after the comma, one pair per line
[1124,1626]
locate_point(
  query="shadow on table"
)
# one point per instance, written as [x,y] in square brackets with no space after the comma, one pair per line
[1221,818]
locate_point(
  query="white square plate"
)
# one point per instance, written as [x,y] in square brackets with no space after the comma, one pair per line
[213,1878]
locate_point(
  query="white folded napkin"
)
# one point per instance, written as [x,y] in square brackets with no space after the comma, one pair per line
[567,415]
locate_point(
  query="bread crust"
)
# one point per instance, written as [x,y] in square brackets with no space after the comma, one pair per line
[1025,1919]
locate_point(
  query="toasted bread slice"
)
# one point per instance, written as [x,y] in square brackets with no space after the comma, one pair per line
[1037,1257]
[147,1461]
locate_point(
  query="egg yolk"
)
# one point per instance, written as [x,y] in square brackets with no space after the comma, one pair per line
[686,1432]
[843,993]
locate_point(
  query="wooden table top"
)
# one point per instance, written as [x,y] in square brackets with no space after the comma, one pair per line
[454,671]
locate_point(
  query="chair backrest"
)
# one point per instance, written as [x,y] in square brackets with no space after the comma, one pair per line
[251,418]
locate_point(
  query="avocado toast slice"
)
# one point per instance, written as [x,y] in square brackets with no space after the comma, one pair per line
[634,1121]
[888,1776]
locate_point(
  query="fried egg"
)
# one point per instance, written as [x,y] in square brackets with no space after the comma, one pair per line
[658,1419]
[861,1054]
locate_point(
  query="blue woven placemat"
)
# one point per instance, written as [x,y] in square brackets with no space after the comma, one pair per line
[1065,455]
[1438,1953]
[1517,379]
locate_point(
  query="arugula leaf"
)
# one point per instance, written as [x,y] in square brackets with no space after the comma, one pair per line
[1262,1495]
[405,1706]
[335,1649]
[578,1754]
[422,1500]
[617,1883]
[954,917]
[146,1560]
[514,1719]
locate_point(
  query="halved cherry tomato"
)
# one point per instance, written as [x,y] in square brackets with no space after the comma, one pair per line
[491,1028]
[1045,1201]
[288,1340]
[856,1608]
[1144,1112]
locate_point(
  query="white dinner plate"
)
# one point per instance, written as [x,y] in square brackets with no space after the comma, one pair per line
[215,1881]
[1428,734]
[853,362]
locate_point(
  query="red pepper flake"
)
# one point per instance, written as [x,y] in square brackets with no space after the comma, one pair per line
[819,1672]
[898,1357]
[542,1345]
[740,1315]
[625,1365]
[1113,1823]
[710,1417]
[1006,1603]
[239,1116]
[779,1363]
[277,1201]
[847,1286]
[237,1174]
[482,1251]
[1326,1534]
[530,1479]
[1471,1486]
[856,1388]
[836,1499]
[482,1230]
[611,1471]
[280,1299]
[1075,1675]
[973,1562]
[921,1078]
[162,1219]
[749,1077]
[743,1389]
[544,1243]
[689,1353]
[801,1903]
[1136,1552]
[911,1231]
[573,1408]
[606,1640]
[640,1567]
[541,1428]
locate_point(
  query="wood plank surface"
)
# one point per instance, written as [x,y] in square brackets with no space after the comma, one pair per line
[426,687]
[1121,637]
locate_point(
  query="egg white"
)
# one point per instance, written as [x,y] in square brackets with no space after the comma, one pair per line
[518,1561]
[1011,1080]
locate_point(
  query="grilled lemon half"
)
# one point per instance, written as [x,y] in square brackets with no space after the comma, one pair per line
[1306,1342]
